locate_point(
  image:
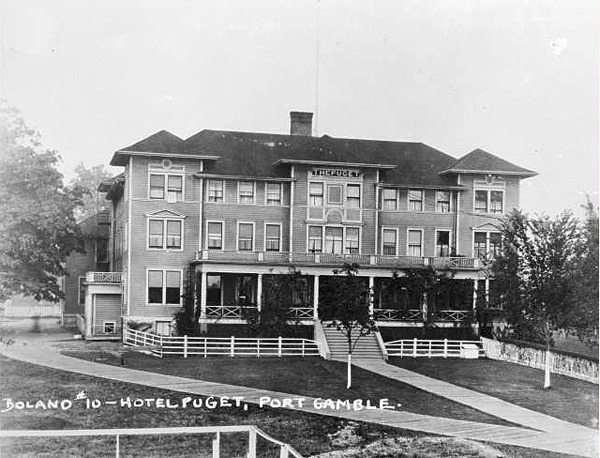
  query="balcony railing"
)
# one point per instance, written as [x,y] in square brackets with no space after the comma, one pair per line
[416,315]
[268,257]
[103,277]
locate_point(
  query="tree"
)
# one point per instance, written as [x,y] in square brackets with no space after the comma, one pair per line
[534,273]
[37,220]
[346,304]
[583,316]
[88,179]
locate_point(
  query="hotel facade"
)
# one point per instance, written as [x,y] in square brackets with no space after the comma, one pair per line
[221,211]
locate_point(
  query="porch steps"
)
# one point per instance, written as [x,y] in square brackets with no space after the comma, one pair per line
[366,348]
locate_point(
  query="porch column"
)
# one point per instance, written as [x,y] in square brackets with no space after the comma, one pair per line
[475,286]
[487,292]
[371,293]
[316,297]
[203,281]
[259,278]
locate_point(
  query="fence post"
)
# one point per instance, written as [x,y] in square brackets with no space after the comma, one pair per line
[415,347]
[251,442]
[258,348]
[205,340]
[402,348]
[279,347]
[232,347]
[216,445]
[303,348]
[429,355]
[185,344]
[445,348]
[117,447]
[284,451]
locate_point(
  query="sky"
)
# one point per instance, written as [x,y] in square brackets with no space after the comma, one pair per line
[517,78]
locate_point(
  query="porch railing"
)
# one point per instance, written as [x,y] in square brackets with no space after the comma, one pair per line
[254,434]
[103,277]
[238,312]
[432,348]
[453,316]
[268,257]
[397,315]
[221,346]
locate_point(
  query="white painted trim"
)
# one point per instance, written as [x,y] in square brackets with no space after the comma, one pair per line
[201,211]
[167,174]
[421,230]
[396,240]
[254,196]
[397,200]
[435,245]
[308,237]
[489,201]
[436,201]
[164,271]
[165,222]
[265,236]
[237,238]
[222,223]
[280,204]
[422,200]
[223,187]
[129,232]
[292,197]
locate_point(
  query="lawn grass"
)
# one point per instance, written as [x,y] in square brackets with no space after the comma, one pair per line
[569,399]
[309,434]
[310,376]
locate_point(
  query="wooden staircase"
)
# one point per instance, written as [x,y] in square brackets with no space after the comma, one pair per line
[366,348]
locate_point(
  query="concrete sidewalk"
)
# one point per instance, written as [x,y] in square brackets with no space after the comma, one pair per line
[550,434]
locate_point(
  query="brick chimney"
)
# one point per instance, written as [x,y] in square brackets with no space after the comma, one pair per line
[301,123]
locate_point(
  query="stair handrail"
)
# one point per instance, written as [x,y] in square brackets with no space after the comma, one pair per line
[381,344]
[319,335]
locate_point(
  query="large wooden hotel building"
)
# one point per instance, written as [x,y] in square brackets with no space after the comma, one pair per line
[226,209]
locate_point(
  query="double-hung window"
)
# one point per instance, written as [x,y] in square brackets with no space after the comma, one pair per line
[389,242]
[273,193]
[487,245]
[353,196]
[442,201]
[352,240]
[315,194]
[272,237]
[245,236]
[315,239]
[215,236]
[246,192]
[165,233]
[166,186]
[415,242]
[215,191]
[334,237]
[415,200]
[442,243]
[164,287]
[489,202]
[390,199]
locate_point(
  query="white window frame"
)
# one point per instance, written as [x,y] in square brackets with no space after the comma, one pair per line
[165,222]
[166,185]
[435,244]
[488,250]
[206,244]
[208,189]
[110,322]
[384,200]
[267,194]
[345,239]
[395,230]
[360,196]
[238,236]
[322,195]
[408,200]
[334,226]
[437,201]
[320,226]
[408,231]
[164,286]
[239,200]
[280,237]
[335,185]
[488,192]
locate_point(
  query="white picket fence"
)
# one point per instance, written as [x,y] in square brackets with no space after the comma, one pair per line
[254,434]
[435,348]
[221,346]
[571,366]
